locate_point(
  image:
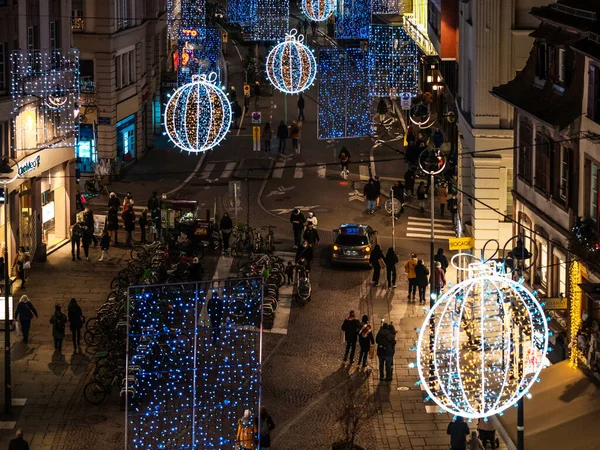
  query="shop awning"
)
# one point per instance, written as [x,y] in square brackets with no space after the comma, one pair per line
[563,413]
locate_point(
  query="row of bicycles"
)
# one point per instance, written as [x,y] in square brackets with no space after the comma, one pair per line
[246,240]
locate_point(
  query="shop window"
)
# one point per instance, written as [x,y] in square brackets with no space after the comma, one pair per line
[126,139]
[86,151]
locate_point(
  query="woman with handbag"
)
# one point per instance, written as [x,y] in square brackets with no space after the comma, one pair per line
[376,260]
[22,262]
[366,342]
[25,313]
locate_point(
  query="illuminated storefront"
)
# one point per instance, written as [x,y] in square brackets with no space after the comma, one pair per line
[126,139]
[85,151]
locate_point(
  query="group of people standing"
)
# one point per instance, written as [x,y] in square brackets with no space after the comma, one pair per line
[283,132]
[306,236]
[418,274]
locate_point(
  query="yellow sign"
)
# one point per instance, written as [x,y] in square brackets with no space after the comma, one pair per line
[463,243]
[256,133]
[247,89]
[225,37]
[554,303]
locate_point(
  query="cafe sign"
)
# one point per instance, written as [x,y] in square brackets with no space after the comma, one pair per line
[25,167]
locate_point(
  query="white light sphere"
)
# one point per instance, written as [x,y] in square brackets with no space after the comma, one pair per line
[318,10]
[291,66]
[469,365]
[198,115]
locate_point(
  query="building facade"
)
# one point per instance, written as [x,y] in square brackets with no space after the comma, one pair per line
[123,51]
[494,44]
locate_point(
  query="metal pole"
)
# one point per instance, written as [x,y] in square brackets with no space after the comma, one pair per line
[248,201]
[393,225]
[235,202]
[432,300]
[7,368]
[520,412]
[285,109]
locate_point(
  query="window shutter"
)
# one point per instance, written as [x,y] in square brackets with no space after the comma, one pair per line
[591,93]
[556,161]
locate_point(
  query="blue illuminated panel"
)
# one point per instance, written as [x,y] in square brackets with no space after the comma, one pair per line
[352,19]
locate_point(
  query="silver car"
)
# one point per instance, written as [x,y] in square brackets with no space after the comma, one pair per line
[353,244]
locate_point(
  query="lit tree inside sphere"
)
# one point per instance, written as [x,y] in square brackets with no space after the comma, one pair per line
[318,10]
[198,115]
[291,66]
[487,346]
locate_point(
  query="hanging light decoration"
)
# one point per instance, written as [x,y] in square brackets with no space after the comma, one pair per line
[291,66]
[198,115]
[483,344]
[318,10]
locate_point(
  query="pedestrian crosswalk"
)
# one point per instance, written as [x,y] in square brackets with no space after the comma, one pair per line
[99,207]
[420,227]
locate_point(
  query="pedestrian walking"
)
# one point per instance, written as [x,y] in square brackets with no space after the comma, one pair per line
[300,108]
[398,192]
[232,94]
[113,200]
[86,241]
[295,135]
[474,443]
[377,262]
[365,341]
[409,269]
[266,426]
[441,258]
[196,271]
[391,259]
[104,246]
[304,255]
[282,135]
[18,443]
[297,220]
[410,136]
[370,193]
[440,279]
[88,220]
[386,347]
[311,235]
[128,201]
[458,431]
[344,158]
[246,432]
[421,196]
[305,25]
[128,217]
[487,433]
[153,202]
[226,227]
[453,207]
[409,181]
[267,135]
[58,321]
[236,112]
[311,218]
[24,314]
[382,109]
[443,198]
[143,223]
[351,328]
[314,26]
[76,321]
[377,184]
[289,272]
[438,138]
[256,92]
[421,279]
[247,103]
[112,223]
[76,232]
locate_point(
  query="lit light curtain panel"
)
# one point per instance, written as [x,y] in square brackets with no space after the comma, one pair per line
[352,19]
[271,22]
[191,38]
[209,54]
[387,6]
[344,99]
[241,11]
[393,61]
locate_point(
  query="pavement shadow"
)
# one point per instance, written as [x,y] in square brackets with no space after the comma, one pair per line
[20,350]
[59,365]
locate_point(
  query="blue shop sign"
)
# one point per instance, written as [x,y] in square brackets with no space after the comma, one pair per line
[28,166]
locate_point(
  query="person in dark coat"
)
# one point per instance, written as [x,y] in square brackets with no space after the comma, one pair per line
[458,431]
[58,321]
[256,92]
[236,111]
[365,340]
[311,235]
[112,223]
[300,107]
[313,26]
[226,227]
[351,327]
[440,279]
[104,246]
[382,109]
[143,222]
[344,157]
[377,184]
[24,314]
[282,135]
[266,426]
[398,191]
[113,200]
[86,241]
[76,321]
[76,233]
[153,202]
[452,205]
[18,443]
[441,258]
[297,220]
[421,196]
[215,313]
[421,280]
[196,270]
[410,136]
[304,252]
[438,138]
[267,135]
[386,347]
[128,217]
[88,221]
[391,259]
[409,181]
[376,255]
[370,192]
[232,95]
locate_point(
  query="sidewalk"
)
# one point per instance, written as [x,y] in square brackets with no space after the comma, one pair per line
[45,382]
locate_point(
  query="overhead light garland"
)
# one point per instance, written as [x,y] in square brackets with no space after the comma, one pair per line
[291,65]
[489,341]
[318,10]
[198,115]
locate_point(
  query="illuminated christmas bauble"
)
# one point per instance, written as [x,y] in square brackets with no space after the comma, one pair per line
[318,10]
[489,341]
[291,66]
[198,115]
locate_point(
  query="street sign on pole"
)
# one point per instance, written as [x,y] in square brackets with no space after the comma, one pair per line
[247,89]
[462,243]
[406,101]
[256,117]
[393,205]
[225,37]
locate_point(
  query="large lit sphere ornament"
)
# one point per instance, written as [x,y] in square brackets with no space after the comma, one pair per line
[198,115]
[483,344]
[291,66]
[318,10]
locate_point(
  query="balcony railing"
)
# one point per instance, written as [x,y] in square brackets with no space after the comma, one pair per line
[420,37]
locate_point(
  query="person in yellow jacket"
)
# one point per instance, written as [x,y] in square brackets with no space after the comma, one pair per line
[247,432]
[409,269]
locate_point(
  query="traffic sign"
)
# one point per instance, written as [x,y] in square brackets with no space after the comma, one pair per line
[406,100]
[225,37]
[393,206]
[462,243]
[256,117]
[246,89]
[256,133]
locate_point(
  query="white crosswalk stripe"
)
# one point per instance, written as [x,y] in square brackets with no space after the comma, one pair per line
[228,170]
[298,172]
[363,171]
[278,172]
[419,227]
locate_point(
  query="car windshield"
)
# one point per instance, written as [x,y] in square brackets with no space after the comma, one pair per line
[344,239]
